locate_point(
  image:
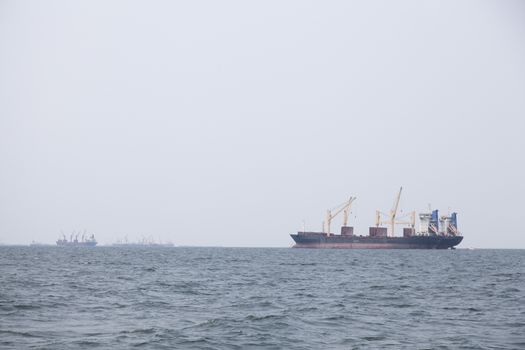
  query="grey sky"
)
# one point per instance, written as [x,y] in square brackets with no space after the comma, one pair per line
[229,122]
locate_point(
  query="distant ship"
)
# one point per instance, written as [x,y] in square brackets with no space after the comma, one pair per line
[85,241]
[38,244]
[142,243]
[434,232]
[138,244]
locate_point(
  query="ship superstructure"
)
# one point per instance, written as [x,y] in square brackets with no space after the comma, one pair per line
[73,241]
[434,232]
[144,242]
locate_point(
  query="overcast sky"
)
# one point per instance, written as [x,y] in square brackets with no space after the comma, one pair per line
[230,122]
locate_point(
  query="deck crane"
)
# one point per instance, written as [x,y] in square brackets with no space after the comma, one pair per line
[346,211]
[344,207]
[391,217]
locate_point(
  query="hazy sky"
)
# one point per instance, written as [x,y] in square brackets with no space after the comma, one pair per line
[230,122]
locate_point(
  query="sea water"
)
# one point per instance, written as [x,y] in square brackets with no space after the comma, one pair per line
[248,298]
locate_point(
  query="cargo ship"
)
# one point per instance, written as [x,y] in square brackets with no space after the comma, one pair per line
[38,244]
[85,241]
[144,242]
[434,232]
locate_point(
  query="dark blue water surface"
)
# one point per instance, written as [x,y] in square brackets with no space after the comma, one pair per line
[236,298]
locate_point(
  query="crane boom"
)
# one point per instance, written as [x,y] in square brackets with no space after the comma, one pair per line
[393,212]
[346,211]
[390,218]
[396,202]
[343,207]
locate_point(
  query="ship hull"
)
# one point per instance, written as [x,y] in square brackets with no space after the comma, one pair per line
[76,244]
[366,242]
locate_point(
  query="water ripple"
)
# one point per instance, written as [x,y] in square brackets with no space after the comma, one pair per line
[225,298]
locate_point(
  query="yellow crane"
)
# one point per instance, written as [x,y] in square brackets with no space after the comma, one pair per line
[391,217]
[344,208]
